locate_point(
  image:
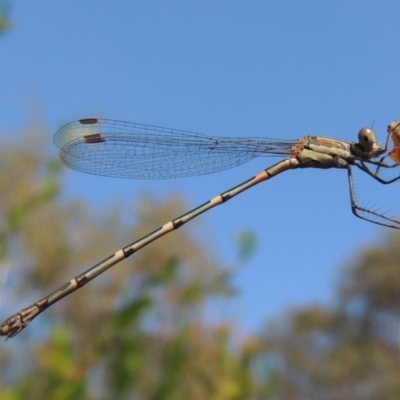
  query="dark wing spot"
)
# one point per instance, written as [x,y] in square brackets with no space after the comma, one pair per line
[88,121]
[95,138]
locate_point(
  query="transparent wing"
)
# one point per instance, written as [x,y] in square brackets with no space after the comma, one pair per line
[130,150]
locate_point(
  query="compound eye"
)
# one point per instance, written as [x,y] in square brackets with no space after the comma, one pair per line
[366,138]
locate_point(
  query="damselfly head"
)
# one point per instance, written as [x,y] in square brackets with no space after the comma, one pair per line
[368,143]
[394,132]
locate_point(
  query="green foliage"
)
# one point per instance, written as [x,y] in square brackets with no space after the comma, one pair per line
[56,372]
[350,351]
[5,7]
[138,332]
[246,243]
[131,313]
[166,274]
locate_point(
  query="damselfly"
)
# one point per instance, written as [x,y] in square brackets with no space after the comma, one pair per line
[131,150]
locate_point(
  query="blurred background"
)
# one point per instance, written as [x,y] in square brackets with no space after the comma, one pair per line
[279,294]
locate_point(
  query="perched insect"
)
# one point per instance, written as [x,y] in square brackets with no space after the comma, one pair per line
[132,150]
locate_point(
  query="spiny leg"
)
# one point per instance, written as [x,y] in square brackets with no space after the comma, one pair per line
[365,213]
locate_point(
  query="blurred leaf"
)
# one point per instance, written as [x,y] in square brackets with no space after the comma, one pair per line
[5,8]
[8,394]
[131,313]
[56,374]
[165,274]
[246,242]
[44,192]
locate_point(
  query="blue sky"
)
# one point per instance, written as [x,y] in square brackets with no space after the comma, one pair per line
[280,69]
